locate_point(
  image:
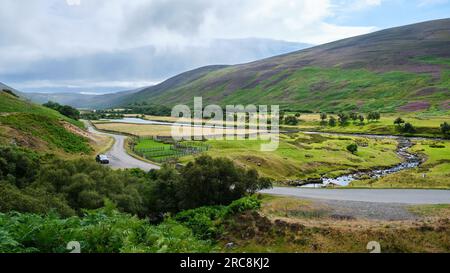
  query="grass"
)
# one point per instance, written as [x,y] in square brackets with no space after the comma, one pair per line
[11,104]
[301,156]
[439,210]
[161,152]
[48,129]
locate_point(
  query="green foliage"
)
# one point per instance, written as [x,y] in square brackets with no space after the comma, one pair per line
[408,128]
[373,116]
[216,181]
[101,231]
[343,118]
[332,121]
[290,120]
[207,222]
[445,128]
[244,204]
[65,110]
[352,148]
[47,129]
[399,121]
[12,104]
[29,183]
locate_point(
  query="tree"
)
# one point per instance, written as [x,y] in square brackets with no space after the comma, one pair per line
[323,116]
[445,128]
[208,181]
[291,120]
[399,121]
[297,115]
[354,116]
[373,116]
[332,121]
[65,110]
[408,128]
[361,119]
[70,112]
[352,148]
[343,118]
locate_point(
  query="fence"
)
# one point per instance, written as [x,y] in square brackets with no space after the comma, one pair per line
[170,153]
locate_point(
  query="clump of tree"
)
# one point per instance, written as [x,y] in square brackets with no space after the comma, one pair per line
[33,183]
[352,148]
[332,121]
[343,119]
[445,129]
[399,122]
[10,92]
[323,118]
[291,120]
[148,109]
[373,116]
[408,128]
[403,126]
[102,115]
[65,110]
[361,119]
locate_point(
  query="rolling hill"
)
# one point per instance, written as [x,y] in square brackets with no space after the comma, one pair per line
[399,69]
[26,124]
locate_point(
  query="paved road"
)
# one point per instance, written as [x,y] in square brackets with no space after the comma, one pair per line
[368,195]
[119,159]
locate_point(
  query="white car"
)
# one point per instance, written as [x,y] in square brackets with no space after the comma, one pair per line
[102,159]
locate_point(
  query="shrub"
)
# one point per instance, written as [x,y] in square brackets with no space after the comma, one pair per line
[244,204]
[205,222]
[352,148]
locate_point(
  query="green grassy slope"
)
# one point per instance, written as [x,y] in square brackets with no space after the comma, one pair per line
[405,68]
[35,126]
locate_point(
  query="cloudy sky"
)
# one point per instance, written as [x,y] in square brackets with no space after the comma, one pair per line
[119,44]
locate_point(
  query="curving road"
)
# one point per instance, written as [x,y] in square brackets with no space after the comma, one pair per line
[118,157]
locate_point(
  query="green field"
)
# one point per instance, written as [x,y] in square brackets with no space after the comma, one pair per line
[301,156]
[160,151]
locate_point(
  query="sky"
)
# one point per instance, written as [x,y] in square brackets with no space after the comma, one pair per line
[71,44]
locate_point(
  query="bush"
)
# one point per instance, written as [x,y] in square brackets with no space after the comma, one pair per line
[352,148]
[101,231]
[291,120]
[208,182]
[205,222]
[65,110]
[244,204]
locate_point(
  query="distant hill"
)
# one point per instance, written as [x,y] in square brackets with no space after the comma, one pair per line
[81,100]
[404,68]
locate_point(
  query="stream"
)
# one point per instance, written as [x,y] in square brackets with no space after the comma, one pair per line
[410,161]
